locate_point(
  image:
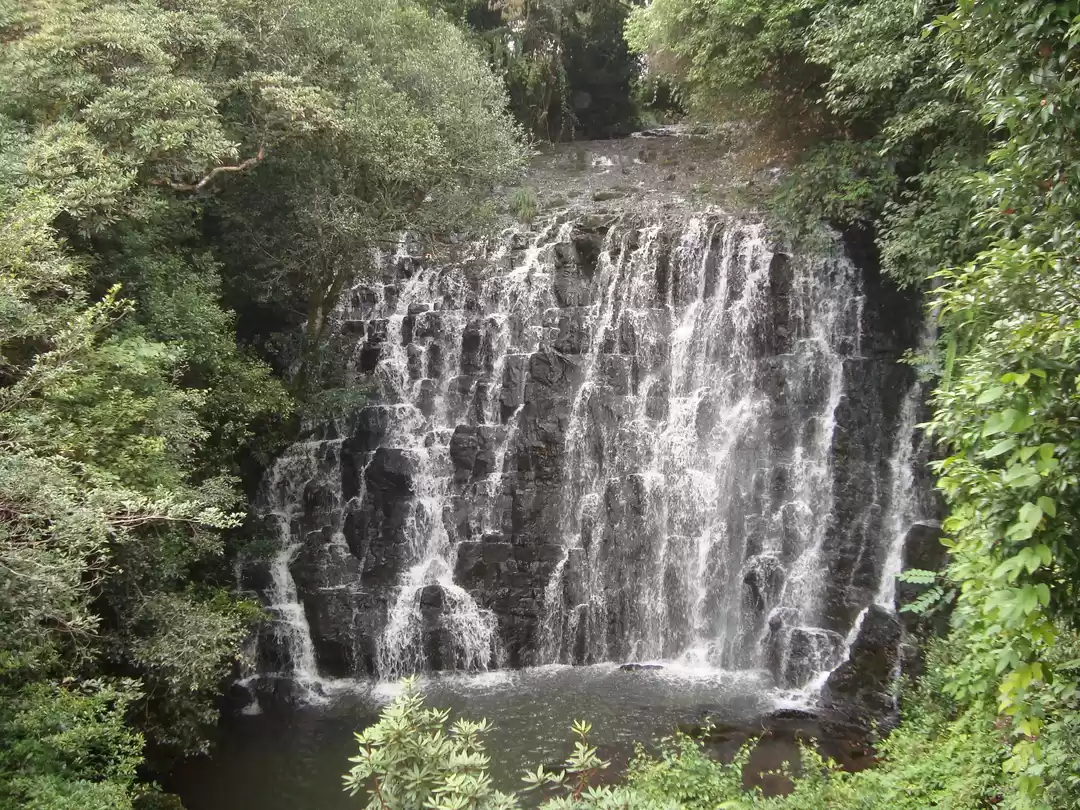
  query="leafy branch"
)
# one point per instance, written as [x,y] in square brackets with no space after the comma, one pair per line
[242,166]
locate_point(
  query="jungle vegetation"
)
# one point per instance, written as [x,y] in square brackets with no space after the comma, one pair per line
[187,187]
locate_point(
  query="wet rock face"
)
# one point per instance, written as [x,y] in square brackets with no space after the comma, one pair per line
[862,686]
[922,546]
[922,550]
[617,439]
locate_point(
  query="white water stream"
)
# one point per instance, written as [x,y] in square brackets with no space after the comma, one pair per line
[696,490]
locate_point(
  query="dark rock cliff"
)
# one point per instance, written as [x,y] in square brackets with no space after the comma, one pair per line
[614,438]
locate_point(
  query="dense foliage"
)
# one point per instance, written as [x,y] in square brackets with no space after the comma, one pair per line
[179,182]
[950,133]
[567,67]
[187,188]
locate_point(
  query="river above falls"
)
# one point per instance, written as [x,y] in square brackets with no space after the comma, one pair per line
[292,757]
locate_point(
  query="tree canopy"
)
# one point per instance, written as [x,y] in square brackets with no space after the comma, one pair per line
[178,182]
[948,132]
[568,70]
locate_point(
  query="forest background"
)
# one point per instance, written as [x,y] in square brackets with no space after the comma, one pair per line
[187,187]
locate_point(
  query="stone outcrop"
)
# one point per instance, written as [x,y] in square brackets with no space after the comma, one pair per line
[863,686]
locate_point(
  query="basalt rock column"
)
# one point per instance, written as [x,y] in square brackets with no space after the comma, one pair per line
[614,438]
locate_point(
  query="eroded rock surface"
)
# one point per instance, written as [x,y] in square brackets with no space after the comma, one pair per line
[863,686]
[618,436]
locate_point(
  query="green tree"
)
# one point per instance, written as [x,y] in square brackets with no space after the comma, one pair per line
[94,437]
[1008,401]
[566,65]
[951,133]
[167,171]
[863,96]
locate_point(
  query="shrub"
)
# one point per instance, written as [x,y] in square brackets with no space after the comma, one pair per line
[524,204]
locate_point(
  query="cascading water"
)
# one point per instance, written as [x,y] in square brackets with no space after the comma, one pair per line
[301,470]
[906,503]
[701,492]
[906,506]
[614,438]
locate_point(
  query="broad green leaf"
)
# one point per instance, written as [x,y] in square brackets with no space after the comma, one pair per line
[990,395]
[1000,422]
[1047,505]
[1000,447]
[1021,423]
[1030,513]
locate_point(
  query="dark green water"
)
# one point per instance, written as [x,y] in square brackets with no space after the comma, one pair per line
[292,758]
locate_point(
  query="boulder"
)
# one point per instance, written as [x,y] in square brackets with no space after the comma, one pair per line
[810,650]
[390,471]
[862,687]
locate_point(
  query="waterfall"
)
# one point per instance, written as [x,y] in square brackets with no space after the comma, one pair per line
[905,503]
[687,464]
[302,468]
[903,506]
[614,438]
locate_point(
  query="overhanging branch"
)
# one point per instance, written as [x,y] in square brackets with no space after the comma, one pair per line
[196,187]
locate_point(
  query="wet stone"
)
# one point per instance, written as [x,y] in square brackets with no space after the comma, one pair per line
[512,394]
[810,650]
[377,330]
[432,597]
[369,358]
[427,397]
[363,298]
[463,448]
[415,361]
[435,355]
[763,580]
[861,687]
[428,325]
[673,475]
[390,470]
